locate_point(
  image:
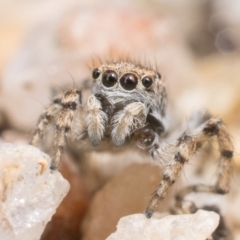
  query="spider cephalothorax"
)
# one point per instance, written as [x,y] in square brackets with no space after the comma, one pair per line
[123,82]
[128,103]
[133,92]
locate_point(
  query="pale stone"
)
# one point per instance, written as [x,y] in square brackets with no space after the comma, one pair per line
[29,192]
[196,226]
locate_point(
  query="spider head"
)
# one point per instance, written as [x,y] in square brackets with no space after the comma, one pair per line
[127,81]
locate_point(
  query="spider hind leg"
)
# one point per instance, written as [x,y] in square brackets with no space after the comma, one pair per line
[183,149]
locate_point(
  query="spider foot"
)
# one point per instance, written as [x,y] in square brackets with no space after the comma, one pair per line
[118,137]
[95,141]
[152,206]
[148,214]
[53,167]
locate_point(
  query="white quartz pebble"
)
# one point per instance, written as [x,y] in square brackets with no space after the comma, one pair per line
[196,226]
[29,192]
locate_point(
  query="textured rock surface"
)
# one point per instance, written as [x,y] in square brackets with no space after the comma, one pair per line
[29,192]
[196,226]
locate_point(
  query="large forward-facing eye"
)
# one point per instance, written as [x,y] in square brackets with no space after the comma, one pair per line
[128,81]
[109,78]
[147,82]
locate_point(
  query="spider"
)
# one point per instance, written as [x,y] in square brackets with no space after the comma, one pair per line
[128,107]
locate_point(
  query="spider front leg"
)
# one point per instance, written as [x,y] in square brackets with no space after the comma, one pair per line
[133,116]
[70,101]
[62,112]
[95,120]
[183,149]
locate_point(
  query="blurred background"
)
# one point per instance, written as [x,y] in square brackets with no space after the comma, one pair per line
[49,44]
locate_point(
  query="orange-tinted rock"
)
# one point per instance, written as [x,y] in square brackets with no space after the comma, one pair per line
[14,136]
[127,193]
[66,221]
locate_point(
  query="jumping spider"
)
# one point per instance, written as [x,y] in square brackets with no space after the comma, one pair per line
[128,104]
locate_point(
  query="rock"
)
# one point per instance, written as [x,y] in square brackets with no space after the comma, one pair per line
[71,212]
[29,192]
[127,193]
[225,23]
[14,136]
[196,226]
[100,167]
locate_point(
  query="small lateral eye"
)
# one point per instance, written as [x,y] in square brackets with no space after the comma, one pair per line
[109,78]
[96,73]
[147,82]
[128,81]
[159,75]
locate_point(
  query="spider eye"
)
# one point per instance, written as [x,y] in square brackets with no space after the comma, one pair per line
[96,73]
[129,81]
[159,75]
[147,82]
[109,78]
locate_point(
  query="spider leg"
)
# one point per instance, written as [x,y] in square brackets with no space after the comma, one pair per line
[198,188]
[95,120]
[70,101]
[47,117]
[126,121]
[183,149]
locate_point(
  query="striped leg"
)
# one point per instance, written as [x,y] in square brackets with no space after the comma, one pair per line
[200,188]
[46,118]
[185,147]
[95,120]
[133,116]
[71,99]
